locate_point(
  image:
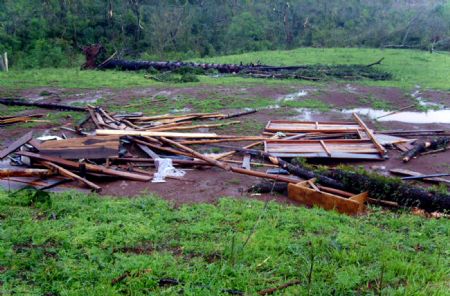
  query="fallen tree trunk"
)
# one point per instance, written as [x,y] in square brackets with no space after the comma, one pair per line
[437,143]
[13,102]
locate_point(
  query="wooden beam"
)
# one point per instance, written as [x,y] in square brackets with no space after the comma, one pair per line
[196,154]
[89,167]
[68,174]
[6,173]
[101,132]
[322,143]
[246,161]
[16,144]
[263,175]
[370,134]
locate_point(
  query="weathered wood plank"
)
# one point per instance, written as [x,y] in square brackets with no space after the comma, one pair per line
[16,145]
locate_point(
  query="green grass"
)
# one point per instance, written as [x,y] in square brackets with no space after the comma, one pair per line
[410,68]
[73,244]
[314,104]
[375,103]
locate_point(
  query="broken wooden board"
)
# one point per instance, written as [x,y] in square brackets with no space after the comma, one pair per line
[311,126]
[391,140]
[24,172]
[16,145]
[370,134]
[90,147]
[305,193]
[404,172]
[89,167]
[4,120]
[101,132]
[405,146]
[357,149]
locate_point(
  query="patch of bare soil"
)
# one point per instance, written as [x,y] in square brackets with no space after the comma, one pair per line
[208,185]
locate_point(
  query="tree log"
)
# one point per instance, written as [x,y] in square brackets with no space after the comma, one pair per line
[437,143]
[12,102]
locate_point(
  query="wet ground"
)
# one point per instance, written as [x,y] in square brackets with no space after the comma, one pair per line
[207,185]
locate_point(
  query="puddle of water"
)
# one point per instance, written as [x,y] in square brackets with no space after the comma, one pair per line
[434,116]
[423,102]
[306,114]
[351,89]
[276,106]
[297,95]
[437,116]
[184,110]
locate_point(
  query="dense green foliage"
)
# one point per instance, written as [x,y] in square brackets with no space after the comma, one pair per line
[73,244]
[52,32]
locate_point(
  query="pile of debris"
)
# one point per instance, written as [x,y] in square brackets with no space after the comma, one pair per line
[95,59]
[155,148]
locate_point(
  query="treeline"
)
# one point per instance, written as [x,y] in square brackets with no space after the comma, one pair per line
[38,33]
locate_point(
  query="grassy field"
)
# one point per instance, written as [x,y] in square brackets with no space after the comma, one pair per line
[72,244]
[410,68]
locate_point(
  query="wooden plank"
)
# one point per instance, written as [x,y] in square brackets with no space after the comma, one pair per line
[246,161]
[14,172]
[161,148]
[310,126]
[68,174]
[263,175]
[89,167]
[101,132]
[318,146]
[310,197]
[16,144]
[336,155]
[148,151]
[242,139]
[212,161]
[390,140]
[91,147]
[405,172]
[322,143]
[369,133]
[189,127]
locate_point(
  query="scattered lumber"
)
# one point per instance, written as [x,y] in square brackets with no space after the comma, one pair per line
[89,167]
[440,142]
[125,144]
[14,102]
[196,154]
[16,145]
[68,174]
[313,139]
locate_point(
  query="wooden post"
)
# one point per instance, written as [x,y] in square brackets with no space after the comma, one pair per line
[5,61]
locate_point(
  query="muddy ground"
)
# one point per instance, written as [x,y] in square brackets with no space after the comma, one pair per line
[207,185]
